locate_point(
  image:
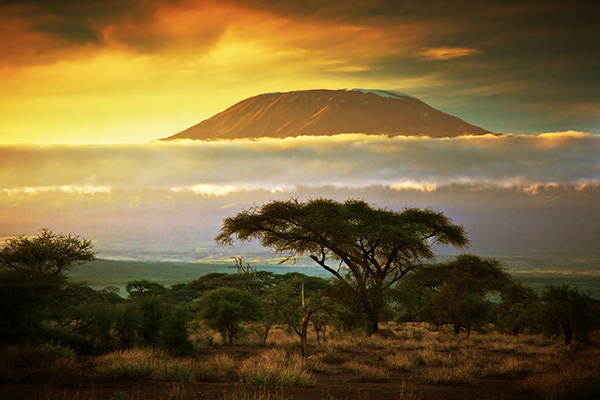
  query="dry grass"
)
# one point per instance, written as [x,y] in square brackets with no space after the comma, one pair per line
[432,358]
[510,367]
[330,355]
[543,368]
[276,367]
[455,376]
[365,372]
[566,377]
[132,363]
[205,340]
[217,368]
[399,361]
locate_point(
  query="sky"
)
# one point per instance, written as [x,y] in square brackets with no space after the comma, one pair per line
[86,88]
[132,71]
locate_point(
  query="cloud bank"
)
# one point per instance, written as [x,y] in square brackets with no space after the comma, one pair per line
[512,193]
[355,160]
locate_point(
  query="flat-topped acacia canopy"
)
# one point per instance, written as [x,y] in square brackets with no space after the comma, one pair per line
[377,246]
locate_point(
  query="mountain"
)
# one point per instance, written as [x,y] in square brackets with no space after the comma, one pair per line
[328,112]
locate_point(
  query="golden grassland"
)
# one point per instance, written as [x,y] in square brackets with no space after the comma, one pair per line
[420,359]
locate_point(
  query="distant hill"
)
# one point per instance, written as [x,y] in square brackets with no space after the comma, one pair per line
[329,112]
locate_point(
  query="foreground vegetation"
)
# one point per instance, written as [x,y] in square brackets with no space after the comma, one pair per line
[389,321]
[419,362]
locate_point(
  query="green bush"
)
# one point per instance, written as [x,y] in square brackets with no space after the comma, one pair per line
[174,335]
[224,309]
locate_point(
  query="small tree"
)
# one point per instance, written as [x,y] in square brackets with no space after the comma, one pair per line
[568,312]
[224,309]
[378,247]
[456,291]
[151,311]
[145,287]
[33,281]
[519,309]
[296,300]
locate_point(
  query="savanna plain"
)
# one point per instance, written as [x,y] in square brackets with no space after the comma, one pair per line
[415,361]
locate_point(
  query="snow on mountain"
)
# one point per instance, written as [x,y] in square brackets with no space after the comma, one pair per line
[383,93]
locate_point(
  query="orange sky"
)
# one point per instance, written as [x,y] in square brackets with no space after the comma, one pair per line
[133,71]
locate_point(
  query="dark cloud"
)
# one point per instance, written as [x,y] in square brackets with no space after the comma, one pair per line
[76,23]
[535,61]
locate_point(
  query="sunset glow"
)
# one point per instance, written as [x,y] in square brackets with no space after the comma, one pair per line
[135,71]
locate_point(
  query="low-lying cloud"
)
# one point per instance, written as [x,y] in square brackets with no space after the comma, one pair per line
[514,194]
[354,160]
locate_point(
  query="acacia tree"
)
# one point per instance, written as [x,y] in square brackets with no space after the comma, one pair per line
[377,247]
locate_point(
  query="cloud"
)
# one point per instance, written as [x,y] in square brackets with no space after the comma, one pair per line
[220,168]
[447,53]
[66,189]
[512,193]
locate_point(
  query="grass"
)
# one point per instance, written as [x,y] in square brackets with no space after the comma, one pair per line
[216,368]
[432,358]
[539,367]
[276,367]
[566,377]
[399,361]
[133,363]
[364,372]
[456,376]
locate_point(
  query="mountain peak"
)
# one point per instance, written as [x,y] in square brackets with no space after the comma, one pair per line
[328,112]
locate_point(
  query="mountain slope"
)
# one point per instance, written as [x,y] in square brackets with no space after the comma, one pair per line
[328,112]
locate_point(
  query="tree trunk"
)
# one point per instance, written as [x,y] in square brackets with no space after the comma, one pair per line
[373,325]
[456,328]
[304,336]
[304,330]
[266,334]
[372,306]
